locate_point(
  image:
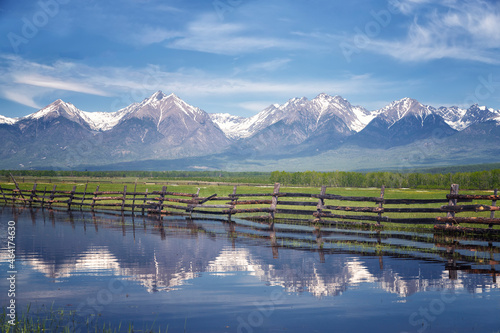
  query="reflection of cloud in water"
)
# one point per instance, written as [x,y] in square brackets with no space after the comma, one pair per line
[96,261]
[165,265]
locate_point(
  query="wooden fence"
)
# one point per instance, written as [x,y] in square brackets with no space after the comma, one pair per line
[321,207]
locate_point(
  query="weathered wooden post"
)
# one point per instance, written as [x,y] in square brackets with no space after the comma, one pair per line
[43,197]
[144,201]
[162,197]
[17,187]
[452,202]
[3,194]
[52,195]
[274,203]
[71,196]
[233,202]
[124,197]
[84,193]
[381,204]
[321,202]
[32,194]
[94,198]
[133,197]
[493,204]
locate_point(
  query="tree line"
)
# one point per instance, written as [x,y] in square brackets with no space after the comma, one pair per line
[489,179]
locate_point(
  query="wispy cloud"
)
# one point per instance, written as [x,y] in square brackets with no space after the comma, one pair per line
[55,83]
[45,80]
[266,66]
[465,30]
[21,97]
[152,35]
[408,6]
[207,34]
[23,81]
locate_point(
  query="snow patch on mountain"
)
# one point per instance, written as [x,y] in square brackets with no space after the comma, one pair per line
[7,120]
[103,121]
[239,127]
[452,116]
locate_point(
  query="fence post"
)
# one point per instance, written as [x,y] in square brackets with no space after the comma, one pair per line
[162,197]
[381,204]
[32,194]
[274,201]
[43,197]
[133,197]
[233,202]
[84,193]
[93,198]
[52,195]
[321,202]
[17,187]
[493,203]
[452,202]
[3,194]
[124,197]
[71,196]
[144,201]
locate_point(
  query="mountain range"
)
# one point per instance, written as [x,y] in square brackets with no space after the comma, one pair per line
[325,133]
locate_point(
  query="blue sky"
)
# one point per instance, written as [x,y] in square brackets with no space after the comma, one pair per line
[239,56]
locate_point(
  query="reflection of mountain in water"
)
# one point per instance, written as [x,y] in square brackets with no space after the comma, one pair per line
[61,248]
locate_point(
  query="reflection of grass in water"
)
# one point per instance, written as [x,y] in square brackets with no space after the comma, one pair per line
[362,247]
[51,320]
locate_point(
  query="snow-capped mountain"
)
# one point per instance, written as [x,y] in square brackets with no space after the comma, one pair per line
[405,107]
[170,125]
[164,127]
[313,111]
[55,110]
[160,126]
[402,122]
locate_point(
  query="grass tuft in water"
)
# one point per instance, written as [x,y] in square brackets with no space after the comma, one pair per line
[61,321]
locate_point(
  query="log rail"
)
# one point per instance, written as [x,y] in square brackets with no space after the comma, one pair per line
[321,208]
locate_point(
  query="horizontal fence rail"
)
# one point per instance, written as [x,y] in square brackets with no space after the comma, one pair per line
[319,207]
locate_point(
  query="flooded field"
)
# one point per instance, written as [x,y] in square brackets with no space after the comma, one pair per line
[204,275]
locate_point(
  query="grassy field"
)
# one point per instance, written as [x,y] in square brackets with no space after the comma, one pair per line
[223,189]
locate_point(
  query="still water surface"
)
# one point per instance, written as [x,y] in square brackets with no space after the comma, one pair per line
[200,275]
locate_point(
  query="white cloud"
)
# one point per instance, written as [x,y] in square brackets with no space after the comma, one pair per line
[152,35]
[55,83]
[466,30]
[266,66]
[20,97]
[210,35]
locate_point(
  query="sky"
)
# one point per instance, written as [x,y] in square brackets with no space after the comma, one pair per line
[240,56]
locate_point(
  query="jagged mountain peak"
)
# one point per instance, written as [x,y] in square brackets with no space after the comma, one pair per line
[56,109]
[404,107]
[329,97]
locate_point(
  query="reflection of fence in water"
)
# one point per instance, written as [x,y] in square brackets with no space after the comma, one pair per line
[469,254]
[320,208]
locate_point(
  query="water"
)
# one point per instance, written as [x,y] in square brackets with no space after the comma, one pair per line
[202,275]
